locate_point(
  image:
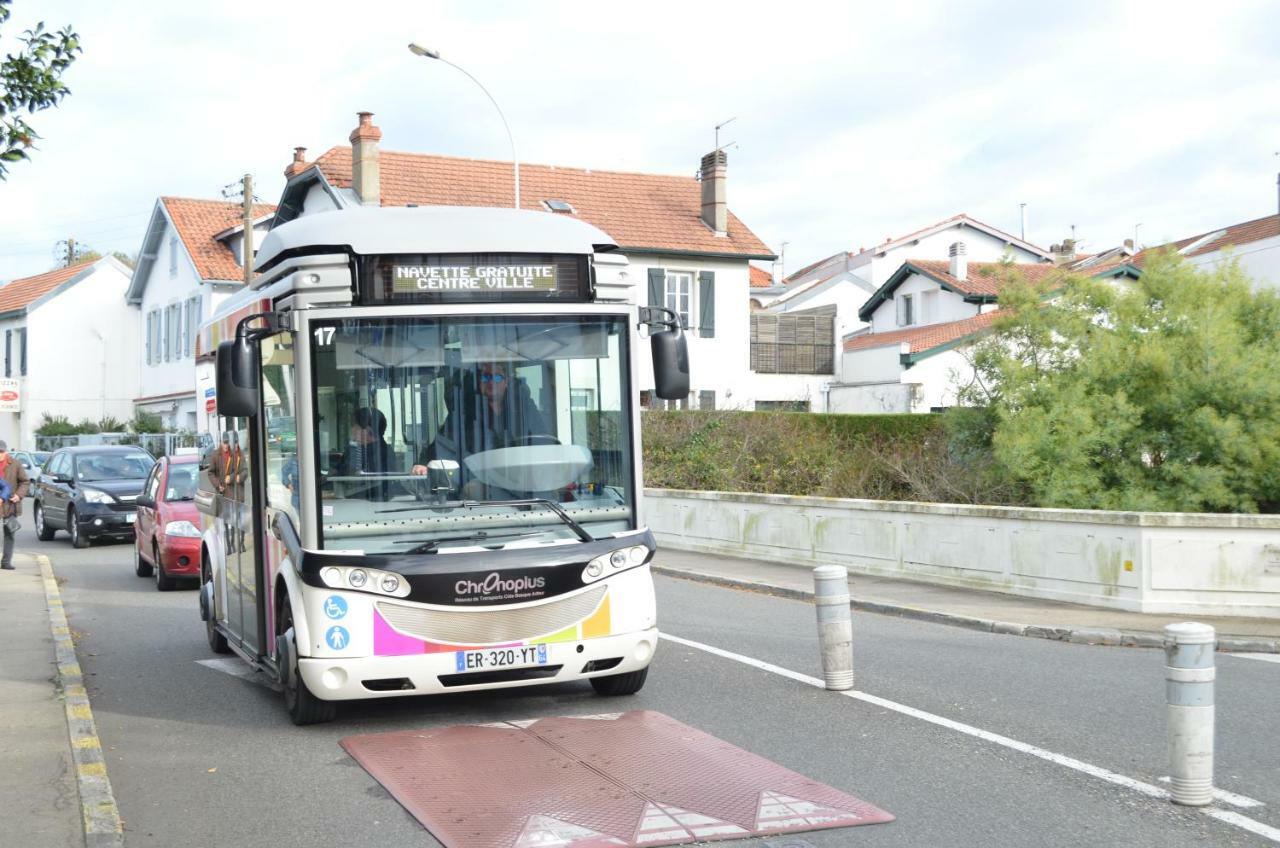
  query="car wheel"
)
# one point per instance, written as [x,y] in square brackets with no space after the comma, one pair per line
[140,566]
[78,538]
[164,583]
[299,701]
[620,684]
[44,531]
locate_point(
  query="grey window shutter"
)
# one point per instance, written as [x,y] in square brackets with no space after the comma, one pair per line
[707,304]
[657,287]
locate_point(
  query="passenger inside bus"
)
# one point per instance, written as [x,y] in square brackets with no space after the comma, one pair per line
[367,453]
[495,411]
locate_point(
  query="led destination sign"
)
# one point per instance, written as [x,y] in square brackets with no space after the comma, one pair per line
[457,278]
[474,278]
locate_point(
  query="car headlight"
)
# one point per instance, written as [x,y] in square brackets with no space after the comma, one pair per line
[614,561]
[365,580]
[97,496]
[184,529]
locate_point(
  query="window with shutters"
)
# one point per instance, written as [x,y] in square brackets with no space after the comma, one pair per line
[679,295]
[193,324]
[906,310]
[22,351]
[8,353]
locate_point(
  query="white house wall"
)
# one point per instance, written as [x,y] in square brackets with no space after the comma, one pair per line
[720,364]
[979,247]
[881,384]
[945,306]
[1259,259]
[161,382]
[71,371]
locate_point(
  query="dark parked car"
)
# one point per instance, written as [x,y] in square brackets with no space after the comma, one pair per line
[89,491]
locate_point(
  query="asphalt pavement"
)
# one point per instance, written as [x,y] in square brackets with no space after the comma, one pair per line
[198,754]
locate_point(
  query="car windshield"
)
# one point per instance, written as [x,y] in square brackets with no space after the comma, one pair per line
[41,457]
[113,466]
[182,483]
[424,424]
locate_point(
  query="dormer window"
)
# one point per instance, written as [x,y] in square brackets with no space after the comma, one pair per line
[906,310]
[559,206]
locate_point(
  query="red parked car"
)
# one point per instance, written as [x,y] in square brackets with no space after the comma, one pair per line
[166,539]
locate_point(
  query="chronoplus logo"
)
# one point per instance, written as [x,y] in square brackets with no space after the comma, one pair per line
[494,584]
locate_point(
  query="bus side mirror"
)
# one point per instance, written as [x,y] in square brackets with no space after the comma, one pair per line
[670,351]
[237,379]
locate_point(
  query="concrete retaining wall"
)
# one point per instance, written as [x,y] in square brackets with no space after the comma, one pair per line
[1186,563]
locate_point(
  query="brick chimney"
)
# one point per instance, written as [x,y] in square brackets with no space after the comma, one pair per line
[365,179]
[715,209]
[1064,253]
[959,261]
[299,163]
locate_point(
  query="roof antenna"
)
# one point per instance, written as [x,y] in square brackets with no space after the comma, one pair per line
[718,126]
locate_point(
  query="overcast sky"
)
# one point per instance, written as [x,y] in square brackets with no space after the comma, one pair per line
[854,122]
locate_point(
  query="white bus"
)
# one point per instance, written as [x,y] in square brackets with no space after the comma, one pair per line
[424,464]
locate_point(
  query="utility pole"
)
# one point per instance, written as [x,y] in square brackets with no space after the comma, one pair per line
[248,229]
[246,195]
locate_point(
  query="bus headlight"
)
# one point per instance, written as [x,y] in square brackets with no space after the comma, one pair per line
[614,561]
[365,580]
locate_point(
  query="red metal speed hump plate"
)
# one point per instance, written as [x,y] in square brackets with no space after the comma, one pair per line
[619,779]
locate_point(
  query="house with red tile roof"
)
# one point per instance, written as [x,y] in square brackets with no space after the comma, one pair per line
[70,348]
[1254,244]
[190,261]
[910,357]
[685,248]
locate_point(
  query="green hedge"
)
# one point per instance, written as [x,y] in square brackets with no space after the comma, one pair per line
[890,457]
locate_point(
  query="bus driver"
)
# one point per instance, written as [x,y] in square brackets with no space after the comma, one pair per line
[493,414]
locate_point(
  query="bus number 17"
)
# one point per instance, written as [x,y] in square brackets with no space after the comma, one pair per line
[324,336]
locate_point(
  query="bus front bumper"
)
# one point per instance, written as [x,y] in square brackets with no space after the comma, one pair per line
[343,679]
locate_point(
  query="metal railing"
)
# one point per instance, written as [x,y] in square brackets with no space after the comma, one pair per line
[156,444]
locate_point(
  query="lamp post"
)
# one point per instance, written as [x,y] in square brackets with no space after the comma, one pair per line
[435,54]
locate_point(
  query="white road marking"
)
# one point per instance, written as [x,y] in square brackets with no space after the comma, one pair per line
[237,667]
[1147,789]
[1230,797]
[1272,658]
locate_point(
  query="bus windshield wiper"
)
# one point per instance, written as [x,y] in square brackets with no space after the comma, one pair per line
[549,504]
[429,546]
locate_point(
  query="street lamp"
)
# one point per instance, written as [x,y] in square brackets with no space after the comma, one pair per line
[435,54]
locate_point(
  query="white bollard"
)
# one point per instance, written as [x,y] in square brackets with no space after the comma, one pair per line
[1189,674]
[835,624]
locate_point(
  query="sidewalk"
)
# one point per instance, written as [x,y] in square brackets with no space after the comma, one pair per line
[38,781]
[990,611]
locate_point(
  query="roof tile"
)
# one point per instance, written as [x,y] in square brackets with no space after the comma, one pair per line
[198,221]
[760,278]
[1231,236]
[923,338]
[639,210]
[983,278]
[21,293]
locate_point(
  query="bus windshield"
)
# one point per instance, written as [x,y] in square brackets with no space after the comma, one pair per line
[429,427]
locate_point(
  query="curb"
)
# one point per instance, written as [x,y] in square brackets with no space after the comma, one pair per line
[102,825]
[1077,635]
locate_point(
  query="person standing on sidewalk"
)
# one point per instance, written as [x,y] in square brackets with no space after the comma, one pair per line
[14,477]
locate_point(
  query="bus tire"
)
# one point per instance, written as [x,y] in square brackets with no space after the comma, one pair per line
[302,705]
[217,641]
[620,684]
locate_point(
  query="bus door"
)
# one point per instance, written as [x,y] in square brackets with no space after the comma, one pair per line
[239,587]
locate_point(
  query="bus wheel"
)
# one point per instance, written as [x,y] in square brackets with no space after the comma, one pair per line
[620,684]
[303,706]
[217,642]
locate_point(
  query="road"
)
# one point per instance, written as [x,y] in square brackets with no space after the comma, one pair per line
[200,757]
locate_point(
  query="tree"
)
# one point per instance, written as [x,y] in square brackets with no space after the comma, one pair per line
[1151,395]
[30,81]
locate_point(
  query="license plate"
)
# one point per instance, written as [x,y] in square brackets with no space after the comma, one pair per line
[130,518]
[490,658]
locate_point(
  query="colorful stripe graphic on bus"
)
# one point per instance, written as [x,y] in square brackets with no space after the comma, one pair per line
[389,642]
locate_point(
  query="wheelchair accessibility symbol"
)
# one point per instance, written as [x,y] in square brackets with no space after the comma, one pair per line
[335,607]
[337,637]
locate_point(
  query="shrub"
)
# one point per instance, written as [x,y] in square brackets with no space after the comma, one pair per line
[55,425]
